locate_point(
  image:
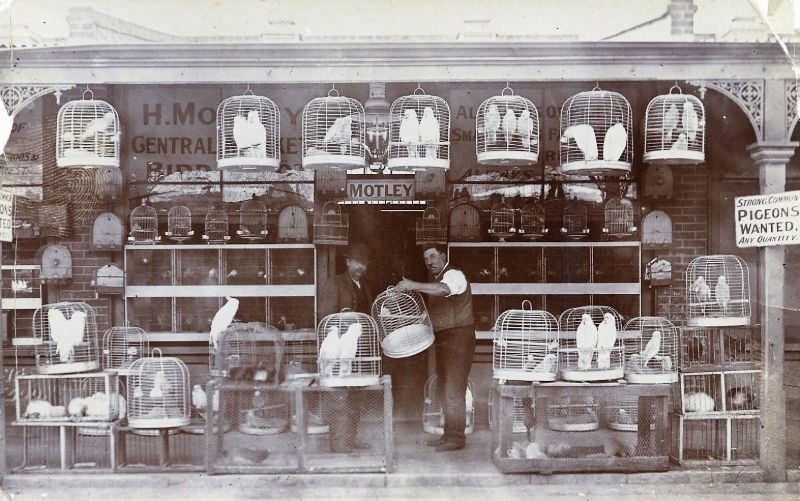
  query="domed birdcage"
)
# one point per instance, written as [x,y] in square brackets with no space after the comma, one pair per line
[405,327]
[432,413]
[596,134]
[675,129]
[66,338]
[248,132]
[590,344]
[465,223]
[574,220]
[621,413]
[718,291]
[420,139]
[216,225]
[87,133]
[507,130]
[619,218]
[532,222]
[572,414]
[122,346]
[525,345]
[292,225]
[158,392]
[331,226]
[430,228]
[252,220]
[501,222]
[144,225]
[179,224]
[333,134]
[651,351]
[348,350]
[249,351]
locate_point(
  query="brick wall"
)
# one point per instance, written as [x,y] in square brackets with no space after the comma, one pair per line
[681,13]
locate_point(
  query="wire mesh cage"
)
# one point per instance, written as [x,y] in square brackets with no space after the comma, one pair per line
[252,220]
[501,222]
[179,223]
[507,129]
[572,414]
[720,348]
[87,133]
[144,225]
[333,134]
[524,415]
[249,351]
[596,134]
[675,129]
[620,413]
[574,220]
[465,223]
[430,228]
[292,224]
[730,440]
[122,346]
[216,225]
[158,392]
[421,138]
[405,328]
[723,391]
[331,226]
[651,350]
[432,413]
[248,132]
[349,352]
[67,339]
[587,332]
[532,222]
[67,397]
[728,302]
[618,218]
[525,345]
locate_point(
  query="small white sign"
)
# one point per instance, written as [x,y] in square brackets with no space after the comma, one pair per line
[6,215]
[764,220]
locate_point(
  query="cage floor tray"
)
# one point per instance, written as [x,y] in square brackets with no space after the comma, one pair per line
[717,321]
[572,424]
[68,367]
[346,381]
[592,375]
[523,375]
[507,158]
[674,157]
[651,378]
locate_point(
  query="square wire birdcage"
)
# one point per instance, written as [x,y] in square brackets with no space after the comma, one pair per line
[715,440]
[726,392]
[720,348]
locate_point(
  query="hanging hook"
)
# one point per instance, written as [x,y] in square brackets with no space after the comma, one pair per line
[333,91]
[91,94]
[507,88]
[596,86]
[247,91]
[420,89]
[676,86]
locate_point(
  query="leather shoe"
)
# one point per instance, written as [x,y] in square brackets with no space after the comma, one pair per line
[450,446]
[358,444]
[436,441]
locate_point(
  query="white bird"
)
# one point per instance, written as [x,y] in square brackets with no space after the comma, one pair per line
[689,121]
[121,407]
[429,132]
[100,124]
[340,133]
[525,128]
[651,349]
[670,121]
[666,363]
[98,405]
[38,409]
[509,125]
[606,338]
[722,293]
[409,131]
[160,385]
[348,346]
[614,143]
[6,124]
[468,400]
[547,365]
[199,398]
[586,340]
[680,144]
[583,134]
[698,402]
[222,320]
[701,289]
[624,417]
[329,351]
[249,133]
[66,333]
[491,124]
[76,407]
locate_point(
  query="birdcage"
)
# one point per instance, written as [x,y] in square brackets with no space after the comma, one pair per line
[331,227]
[525,346]
[248,132]
[718,291]
[596,134]
[675,129]
[122,346]
[66,336]
[252,220]
[720,348]
[432,413]
[179,224]
[532,222]
[158,392]
[333,134]
[588,356]
[249,351]
[715,440]
[348,348]
[501,222]
[216,226]
[732,392]
[523,413]
[620,413]
[144,225]
[651,350]
[572,414]
[67,397]
[507,130]
[574,220]
[430,229]
[87,133]
[618,216]
[405,327]
[292,225]
[421,138]
[465,223]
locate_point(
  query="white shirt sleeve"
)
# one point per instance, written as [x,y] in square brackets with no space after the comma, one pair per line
[455,281]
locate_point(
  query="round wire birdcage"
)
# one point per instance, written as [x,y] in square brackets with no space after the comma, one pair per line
[532,222]
[249,351]
[87,133]
[348,350]
[333,133]
[292,225]
[507,129]
[421,138]
[252,220]
[179,224]
[158,392]
[122,346]
[590,344]
[718,291]
[501,222]
[66,339]
[144,225]
[430,228]
[216,225]
[331,226]
[651,351]
[572,414]
[525,345]
[621,413]
[432,413]
[465,223]
[574,220]
[675,129]
[405,327]
[618,215]
[248,132]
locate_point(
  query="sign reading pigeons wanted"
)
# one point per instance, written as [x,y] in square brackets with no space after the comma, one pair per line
[763,220]
[6,215]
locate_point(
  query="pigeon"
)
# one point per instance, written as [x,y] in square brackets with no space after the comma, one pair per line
[666,363]
[547,365]
[38,409]
[76,407]
[583,134]
[348,346]
[701,290]
[509,125]
[533,451]
[429,132]
[651,349]
[199,398]
[100,124]
[606,338]
[722,293]
[669,124]
[740,398]
[491,124]
[222,320]
[689,121]
[329,351]
[698,402]
[614,143]
[624,417]
[6,124]
[680,144]
[160,385]
[66,333]
[99,405]
[586,340]
[409,132]
[525,128]
[250,134]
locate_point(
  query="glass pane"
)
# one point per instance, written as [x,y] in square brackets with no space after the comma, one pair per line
[150,313]
[513,302]
[520,265]
[21,283]
[194,314]
[291,313]
[616,264]
[291,266]
[245,267]
[198,267]
[476,262]
[567,264]
[483,308]
[252,309]
[626,304]
[149,267]
[556,304]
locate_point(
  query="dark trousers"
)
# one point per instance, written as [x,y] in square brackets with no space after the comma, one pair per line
[454,351]
[344,408]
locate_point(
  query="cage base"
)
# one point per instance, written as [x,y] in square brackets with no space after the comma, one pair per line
[68,368]
[86,159]
[26,341]
[596,168]
[156,424]
[717,321]
[330,241]
[522,375]
[563,424]
[592,375]
[269,430]
[248,163]
[507,158]
[333,161]
[415,163]
[612,425]
[312,429]
[347,381]
[674,157]
[411,351]
[644,378]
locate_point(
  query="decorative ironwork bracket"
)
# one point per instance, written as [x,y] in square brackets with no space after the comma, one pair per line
[792,112]
[17,97]
[747,94]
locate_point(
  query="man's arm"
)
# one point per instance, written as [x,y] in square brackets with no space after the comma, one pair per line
[431,288]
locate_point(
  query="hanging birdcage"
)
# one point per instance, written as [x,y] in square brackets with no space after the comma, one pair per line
[590,344]
[574,221]
[465,223]
[292,225]
[596,134]
[501,222]
[718,291]
[430,229]
[507,130]
[618,215]
[331,227]
[675,129]
[651,350]
[333,134]
[532,222]
[249,351]
[572,414]
[348,350]
[87,133]
[179,224]
[216,225]
[158,392]
[66,338]
[432,413]
[421,138]
[122,346]
[248,132]
[525,345]
[252,220]
[405,327]
[620,412]
[144,225]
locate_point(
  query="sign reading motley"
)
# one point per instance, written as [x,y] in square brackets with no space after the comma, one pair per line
[380,189]
[763,220]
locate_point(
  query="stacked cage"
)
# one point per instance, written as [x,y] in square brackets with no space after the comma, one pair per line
[525,346]
[651,351]
[348,350]
[252,220]
[507,130]
[87,134]
[430,228]
[718,290]
[675,128]
[618,218]
[331,226]
[333,133]
[248,132]
[532,222]
[421,138]
[144,225]
[591,344]
[432,413]
[215,225]
[465,223]
[501,222]
[122,346]
[403,322]
[179,224]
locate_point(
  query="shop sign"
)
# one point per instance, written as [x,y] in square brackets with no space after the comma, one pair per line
[764,220]
[381,189]
[6,215]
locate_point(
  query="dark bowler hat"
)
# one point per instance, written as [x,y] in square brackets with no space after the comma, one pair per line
[358,251]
